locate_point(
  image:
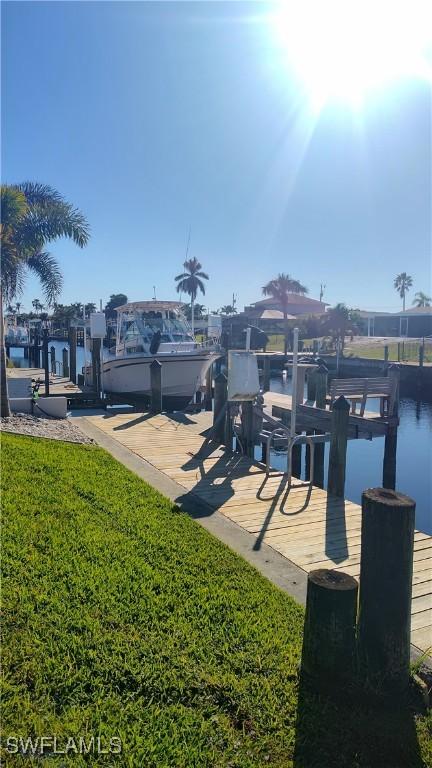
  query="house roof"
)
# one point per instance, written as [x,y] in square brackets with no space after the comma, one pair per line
[293,298]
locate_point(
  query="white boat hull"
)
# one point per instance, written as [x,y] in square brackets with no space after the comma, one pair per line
[182,375]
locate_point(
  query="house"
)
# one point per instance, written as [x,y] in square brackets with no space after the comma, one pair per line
[415,322]
[267,314]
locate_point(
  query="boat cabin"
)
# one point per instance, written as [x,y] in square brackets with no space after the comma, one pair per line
[152,327]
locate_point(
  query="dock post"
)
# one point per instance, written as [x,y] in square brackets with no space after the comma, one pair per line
[320,402]
[36,351]
[65,361]
[72,352]
[220,404]
[209,389]
[95,356]
[266,374]
[386,568]
[390,440]
[156,386]
[328,654]
[338,447]
[247,424]
[45,359]
[311,386]
[399,351]
[386,353]
[421,355]
[53,359]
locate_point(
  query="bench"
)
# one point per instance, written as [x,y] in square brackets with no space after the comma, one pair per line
[358,390]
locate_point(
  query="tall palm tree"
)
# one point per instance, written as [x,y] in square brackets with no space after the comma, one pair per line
[33,215]
[190,282]
[422,299]
[402,284]
[280,289]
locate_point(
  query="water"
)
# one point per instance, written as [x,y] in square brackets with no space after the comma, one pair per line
[365,457]
[364,460]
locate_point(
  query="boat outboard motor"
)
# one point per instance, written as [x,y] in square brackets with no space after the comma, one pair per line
[155,343]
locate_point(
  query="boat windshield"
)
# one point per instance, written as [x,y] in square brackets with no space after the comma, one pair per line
[137,328]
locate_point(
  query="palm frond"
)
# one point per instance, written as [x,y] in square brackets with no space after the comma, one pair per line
[45,266]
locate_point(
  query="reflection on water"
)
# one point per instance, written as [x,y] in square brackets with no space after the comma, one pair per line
[365,457]
[364,463]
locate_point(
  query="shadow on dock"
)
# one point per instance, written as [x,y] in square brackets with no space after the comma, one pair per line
[353,734]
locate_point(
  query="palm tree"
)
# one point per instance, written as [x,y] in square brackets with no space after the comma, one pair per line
[280,289]
[33,215]
[37,306]
[339,321]
[190,282]
[403,283]
[422,299]
[228,309]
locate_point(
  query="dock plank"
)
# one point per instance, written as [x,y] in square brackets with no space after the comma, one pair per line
[311,529]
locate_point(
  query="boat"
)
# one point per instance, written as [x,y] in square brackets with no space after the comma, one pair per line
[157,330]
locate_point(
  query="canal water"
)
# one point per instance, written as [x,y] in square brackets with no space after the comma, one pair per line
[364,460]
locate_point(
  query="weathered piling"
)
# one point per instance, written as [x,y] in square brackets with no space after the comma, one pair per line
[45,359]
[220,406]
[53,359]
[247,428]
[338,447]
[266,374]
[156,386]
[386,353]
[65,361]
[321,375]
[95,358]
[390,440]
[209,389]
[421,355]
[36,349]
[328,654]
[311,386]
[72,352]
[386,567]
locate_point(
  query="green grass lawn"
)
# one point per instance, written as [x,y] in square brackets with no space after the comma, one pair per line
[124,618]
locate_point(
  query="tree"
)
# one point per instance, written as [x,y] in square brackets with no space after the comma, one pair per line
[339,321]
[199,311]
[228,309]
[190,282]
[33,215]
[115,300]
[37,306]
[402,284]
[280,289]
[422,299]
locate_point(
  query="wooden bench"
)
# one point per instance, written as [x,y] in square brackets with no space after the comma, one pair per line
[358,390]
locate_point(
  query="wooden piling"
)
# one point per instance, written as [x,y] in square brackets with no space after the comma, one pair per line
[72,352]
[390,440]
[311,386]
[247,424]
[36,350]
[220,407]
[386,567]
[95,358]
[45,359]
[53,359]
[209,389]
[421,355]
[338,447]
[328,654]
[65,361]
[386,353]
[321,375]
[266,374]
[156,386]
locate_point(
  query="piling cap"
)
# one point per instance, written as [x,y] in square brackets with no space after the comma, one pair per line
[387,497]
[331,579]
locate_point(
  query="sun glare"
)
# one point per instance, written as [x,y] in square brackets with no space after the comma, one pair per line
[341,49]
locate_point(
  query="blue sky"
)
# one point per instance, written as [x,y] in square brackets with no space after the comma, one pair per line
[153,117]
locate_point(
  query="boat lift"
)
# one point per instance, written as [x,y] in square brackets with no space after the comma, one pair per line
[282,432]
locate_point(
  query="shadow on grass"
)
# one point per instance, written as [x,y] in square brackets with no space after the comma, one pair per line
[353,734]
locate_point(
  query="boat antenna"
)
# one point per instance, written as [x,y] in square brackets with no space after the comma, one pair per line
[186,254]
[154,293]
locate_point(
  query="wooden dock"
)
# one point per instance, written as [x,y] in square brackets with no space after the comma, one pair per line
[312,529]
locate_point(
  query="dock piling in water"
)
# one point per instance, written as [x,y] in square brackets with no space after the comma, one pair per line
[338,447]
